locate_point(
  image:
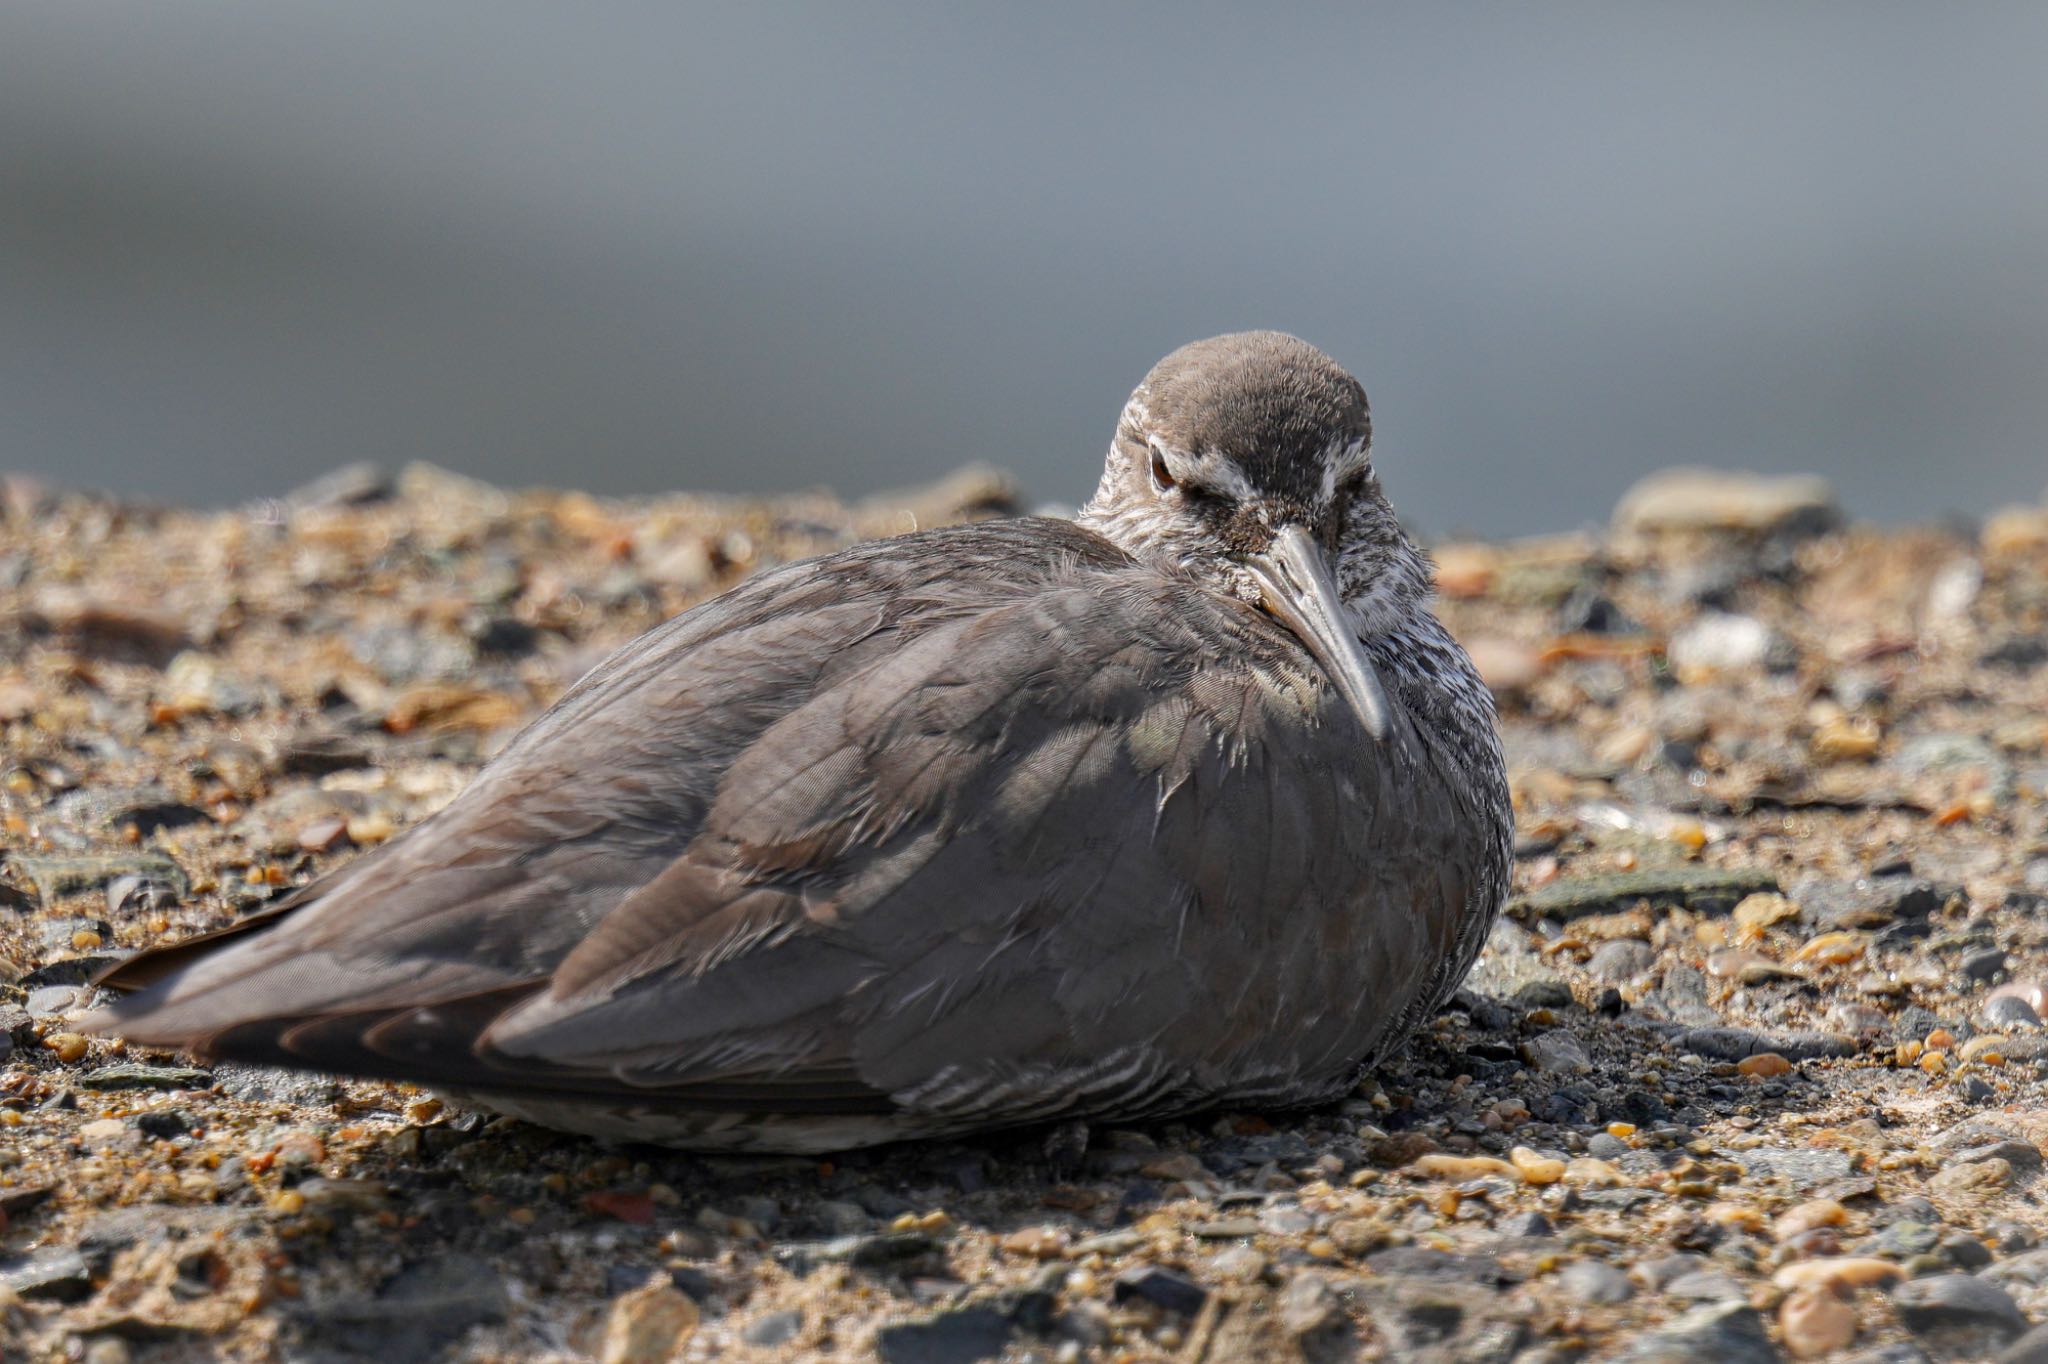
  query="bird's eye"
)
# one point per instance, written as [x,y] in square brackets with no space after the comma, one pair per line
[1162,477]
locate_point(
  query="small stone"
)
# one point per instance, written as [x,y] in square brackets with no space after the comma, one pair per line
[69,1047]
[1161,1287]
[773,1329]
[1238,1264]
[134,1075]
[1694,501]
[1992,1173]
[2031,1348]
[1039,1243]
[1726,1333]
[1720,642]
[961,1336]
[1745,967]
[1461,1168]
[1307,1305]
[1764,1065]
[2008,1011]
[1558,1052]
[1621,960]
[1595,1281]
[1816,1322]
[48,1276]
[1536,1168]
[108,1134]
[1820,1212]
[1958,1306]
[1983,964]
[1846,1271]
[323,835]
[647,1325]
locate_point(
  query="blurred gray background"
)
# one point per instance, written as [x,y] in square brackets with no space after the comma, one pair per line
[760,247]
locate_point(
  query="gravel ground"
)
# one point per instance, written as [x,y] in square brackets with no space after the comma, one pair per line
[1752,1070]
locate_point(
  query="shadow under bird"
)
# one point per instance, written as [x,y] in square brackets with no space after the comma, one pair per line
[1190,801]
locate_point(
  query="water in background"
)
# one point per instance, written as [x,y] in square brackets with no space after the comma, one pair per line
[759,247]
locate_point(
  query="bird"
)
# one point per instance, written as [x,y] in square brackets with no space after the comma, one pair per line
[1185,802]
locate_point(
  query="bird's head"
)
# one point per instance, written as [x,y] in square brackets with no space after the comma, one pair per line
[1247,459]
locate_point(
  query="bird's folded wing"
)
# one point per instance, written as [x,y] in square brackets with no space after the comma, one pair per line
[818,845]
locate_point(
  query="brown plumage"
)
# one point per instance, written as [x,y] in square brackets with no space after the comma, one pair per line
[988,825]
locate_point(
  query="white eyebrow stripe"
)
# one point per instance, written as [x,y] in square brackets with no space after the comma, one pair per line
[1211,470]
[1341,460]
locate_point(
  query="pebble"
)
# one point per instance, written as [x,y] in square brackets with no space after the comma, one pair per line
[1307,1305]
[1848,1271]
[1815,1322]
[2008,1011]
[1720,642]
[647,1326]
[1621,960]
[1819,1212]
[1689,500]
[1725,1333]
[1595,1281]
[1961,1306]
[1162,1287]
[1558,1051]
[958,1336]
[773,1328]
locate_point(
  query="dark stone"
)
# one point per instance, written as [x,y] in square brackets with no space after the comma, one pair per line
[422,1308]
[2009,1011]
[163,1124]
[1977,1092]
[48,1276]
[695,1284]
[1736,1044]
[2021,1155]
[1527,1224]
[136,1076]
[1958,1305]
[1727,1333]
[72,970]
[316,755]
[958,1337]
[2022,653]
[2031,1348]
[1609,1003]
[1706,890]
[1965,1252]
[1983,964]
[1590,611]
[1162,1287]
[1422,1262]
[504,637]
[1544,994]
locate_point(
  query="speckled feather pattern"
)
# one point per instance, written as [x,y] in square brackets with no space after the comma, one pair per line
[995,824]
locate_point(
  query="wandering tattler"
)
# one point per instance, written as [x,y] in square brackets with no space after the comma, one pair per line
[1189,801]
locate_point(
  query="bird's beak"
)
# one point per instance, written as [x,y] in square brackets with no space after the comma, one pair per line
[1296,588]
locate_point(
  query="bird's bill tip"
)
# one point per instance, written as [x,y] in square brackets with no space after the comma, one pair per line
[1297,589]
